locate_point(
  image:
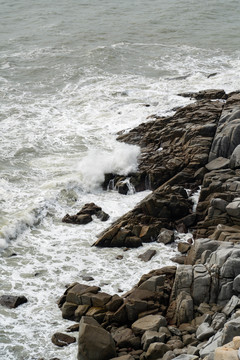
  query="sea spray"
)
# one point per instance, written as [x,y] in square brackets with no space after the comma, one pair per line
[121,160]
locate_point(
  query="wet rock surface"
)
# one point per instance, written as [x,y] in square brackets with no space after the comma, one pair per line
[12,301]
[84,216]
[191,311]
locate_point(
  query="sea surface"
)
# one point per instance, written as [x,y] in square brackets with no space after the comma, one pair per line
[72,74]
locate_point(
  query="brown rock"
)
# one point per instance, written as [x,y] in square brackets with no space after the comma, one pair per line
[80,311]
[115,302]
[183,247]
[150,322]
[68,310]
[94,342]
[124,337]
[61,339]
[82,219]
[75,293]
[100,299]
[12,301]
[73,328]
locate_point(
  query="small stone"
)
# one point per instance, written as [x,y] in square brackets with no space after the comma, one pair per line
[87,278]
[179,259]
[73,328]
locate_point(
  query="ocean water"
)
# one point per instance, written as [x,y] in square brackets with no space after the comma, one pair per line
[73,74]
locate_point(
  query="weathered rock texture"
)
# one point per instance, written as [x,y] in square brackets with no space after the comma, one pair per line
[84,216]
[190,311]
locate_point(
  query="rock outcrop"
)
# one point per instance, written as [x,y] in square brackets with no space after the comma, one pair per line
[191,311]
[84,216]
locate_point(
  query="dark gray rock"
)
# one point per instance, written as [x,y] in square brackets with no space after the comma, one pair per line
[12,301]
[219,204]
[183,280]
[233,208]
[201,284]
[235,158]
[204,332]
[125,338]
[236,284]
[233,303]
[184,308]
[231,329]
[209,347]
[219,319]
[227,137]
[165,236]
[147,255]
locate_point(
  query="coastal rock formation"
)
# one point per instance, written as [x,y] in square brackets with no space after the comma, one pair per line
[160,210]
[84,216]
[191,311]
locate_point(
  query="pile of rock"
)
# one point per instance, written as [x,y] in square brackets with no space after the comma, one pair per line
[193,311]
[84,216]
[160,210]
[189,311]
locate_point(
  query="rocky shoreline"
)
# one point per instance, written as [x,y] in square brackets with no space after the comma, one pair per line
[185,312]
[191,311]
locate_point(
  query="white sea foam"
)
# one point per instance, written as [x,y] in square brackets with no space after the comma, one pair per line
[121,160]
[65,92]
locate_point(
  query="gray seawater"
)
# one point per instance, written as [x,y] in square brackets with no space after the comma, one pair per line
[72,74]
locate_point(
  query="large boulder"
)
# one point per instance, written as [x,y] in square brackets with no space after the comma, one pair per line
[94,342]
